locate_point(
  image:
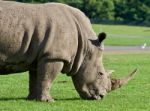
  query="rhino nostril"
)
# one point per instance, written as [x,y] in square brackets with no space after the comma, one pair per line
[102,96]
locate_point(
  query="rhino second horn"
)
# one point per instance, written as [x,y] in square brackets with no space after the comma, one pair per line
[117,83]
[109,72]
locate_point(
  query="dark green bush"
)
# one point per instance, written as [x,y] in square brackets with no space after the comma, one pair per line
[128,11]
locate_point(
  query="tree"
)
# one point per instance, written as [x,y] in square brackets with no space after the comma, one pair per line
[120,10]
[99,9]
[132,10]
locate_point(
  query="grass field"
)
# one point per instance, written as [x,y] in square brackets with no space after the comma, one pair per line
[135,96]
[124,35]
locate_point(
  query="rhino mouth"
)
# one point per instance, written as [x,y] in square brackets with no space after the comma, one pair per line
[95,96]
[91,94]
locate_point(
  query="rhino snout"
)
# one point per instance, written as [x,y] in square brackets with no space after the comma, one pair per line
[92,94]
[96,94]
[91,97]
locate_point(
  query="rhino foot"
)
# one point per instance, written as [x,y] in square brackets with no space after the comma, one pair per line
[45,98]
[31,97]
[40,98]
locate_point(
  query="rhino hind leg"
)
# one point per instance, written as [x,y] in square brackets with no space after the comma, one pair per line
[47,72]
[32,84]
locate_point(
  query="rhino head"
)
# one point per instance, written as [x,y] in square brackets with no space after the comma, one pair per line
[92,81]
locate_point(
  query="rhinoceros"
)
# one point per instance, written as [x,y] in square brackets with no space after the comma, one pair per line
[46,39]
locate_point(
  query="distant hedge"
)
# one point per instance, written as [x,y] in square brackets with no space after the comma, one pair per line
[122,11]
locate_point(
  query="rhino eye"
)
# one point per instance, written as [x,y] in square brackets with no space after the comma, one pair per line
[100,73]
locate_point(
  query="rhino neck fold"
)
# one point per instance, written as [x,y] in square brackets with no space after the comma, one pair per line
[81,50]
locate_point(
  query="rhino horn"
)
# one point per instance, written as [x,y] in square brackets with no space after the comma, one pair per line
[117,83]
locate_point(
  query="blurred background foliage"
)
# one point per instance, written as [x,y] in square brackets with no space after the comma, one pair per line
[110,11]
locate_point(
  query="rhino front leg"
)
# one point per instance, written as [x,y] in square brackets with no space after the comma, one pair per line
[32,85]
[47,71]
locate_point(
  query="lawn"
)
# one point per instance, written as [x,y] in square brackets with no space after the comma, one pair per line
[135,96]
[124,35]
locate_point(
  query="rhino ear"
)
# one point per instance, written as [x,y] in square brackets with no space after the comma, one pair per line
[101,36]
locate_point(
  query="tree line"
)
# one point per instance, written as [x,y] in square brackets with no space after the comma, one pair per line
[123,11]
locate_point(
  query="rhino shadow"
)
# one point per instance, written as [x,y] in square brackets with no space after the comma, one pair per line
[66,99]
[24,98]
[12,98]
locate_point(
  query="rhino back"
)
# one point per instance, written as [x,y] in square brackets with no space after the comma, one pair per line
[17,28]
[27,32]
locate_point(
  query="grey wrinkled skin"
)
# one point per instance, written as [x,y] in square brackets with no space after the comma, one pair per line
[46,39]
[91,81]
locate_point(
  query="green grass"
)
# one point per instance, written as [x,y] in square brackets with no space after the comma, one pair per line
[124,35]
[135,96]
